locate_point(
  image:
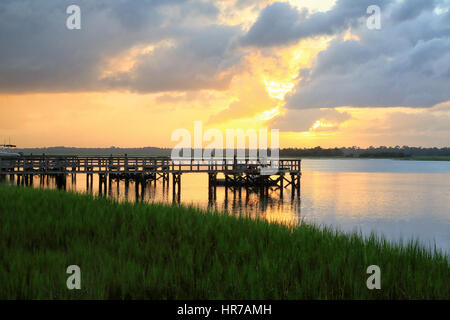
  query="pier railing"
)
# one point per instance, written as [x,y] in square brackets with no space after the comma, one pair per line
[130,165]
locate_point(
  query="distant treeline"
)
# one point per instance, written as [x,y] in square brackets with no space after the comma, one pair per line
[148,151]
[371,152]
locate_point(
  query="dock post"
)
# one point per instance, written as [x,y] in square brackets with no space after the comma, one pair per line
[144,186]
[136,187]
[295,182]
[100,191]
[212,185]
[281,178]
[109,184]
[127,187]
[87,181]
[164,180]
[176,186]
[61,181]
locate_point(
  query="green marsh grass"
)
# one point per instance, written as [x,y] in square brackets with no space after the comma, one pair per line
[143,251]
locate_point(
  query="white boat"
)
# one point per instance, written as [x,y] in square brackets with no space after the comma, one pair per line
[5,151]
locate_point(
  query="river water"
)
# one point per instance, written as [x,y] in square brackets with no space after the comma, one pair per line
[394,198]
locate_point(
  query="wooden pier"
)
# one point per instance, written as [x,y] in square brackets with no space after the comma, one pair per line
[237,173]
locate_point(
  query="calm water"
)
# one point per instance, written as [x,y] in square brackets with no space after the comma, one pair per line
[399,199]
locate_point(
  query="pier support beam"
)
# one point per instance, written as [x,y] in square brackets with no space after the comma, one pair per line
[295,182]
[140,185]
[281,183]
[176,186]
[102,183]
[60,180]
[212,185]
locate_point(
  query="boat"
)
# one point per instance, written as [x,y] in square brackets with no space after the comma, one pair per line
[5,151]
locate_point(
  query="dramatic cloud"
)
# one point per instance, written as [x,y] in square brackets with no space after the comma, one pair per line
[228,63]
[195,62]
[40,54]
[281,24]
[411,9]
[406,63]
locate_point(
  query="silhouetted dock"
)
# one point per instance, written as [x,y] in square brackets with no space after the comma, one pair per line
[237,172]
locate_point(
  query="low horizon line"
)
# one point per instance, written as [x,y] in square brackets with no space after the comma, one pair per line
[291,147]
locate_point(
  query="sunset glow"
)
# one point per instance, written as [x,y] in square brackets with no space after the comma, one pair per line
[223,68]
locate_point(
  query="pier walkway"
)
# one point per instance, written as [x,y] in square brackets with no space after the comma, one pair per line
[237,172]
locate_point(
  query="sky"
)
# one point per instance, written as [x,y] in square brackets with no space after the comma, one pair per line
[137,71]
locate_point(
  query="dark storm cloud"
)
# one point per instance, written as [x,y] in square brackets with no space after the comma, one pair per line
[406,63]
[280,23]
[40,54]
[277,24]
[196,62]
[410,9]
